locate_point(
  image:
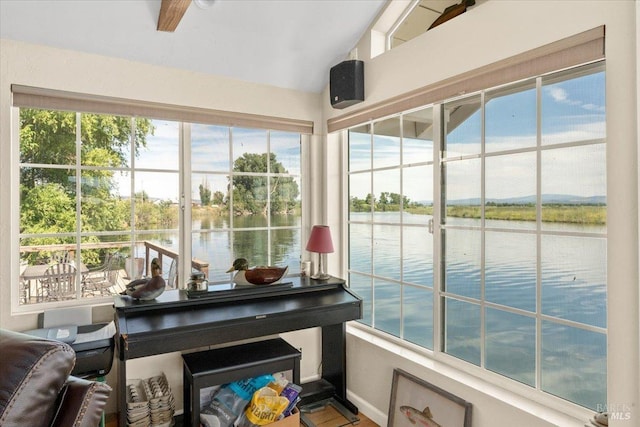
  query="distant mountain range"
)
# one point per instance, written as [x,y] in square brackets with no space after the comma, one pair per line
[561,199]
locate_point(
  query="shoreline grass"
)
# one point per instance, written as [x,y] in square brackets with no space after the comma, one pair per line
[572,214]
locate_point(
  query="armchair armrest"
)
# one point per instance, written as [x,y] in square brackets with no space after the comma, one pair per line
[81,403]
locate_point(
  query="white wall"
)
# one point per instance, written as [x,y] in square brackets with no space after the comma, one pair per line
[488,32]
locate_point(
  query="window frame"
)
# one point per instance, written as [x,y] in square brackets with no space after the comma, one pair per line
[45,99]
[438,353]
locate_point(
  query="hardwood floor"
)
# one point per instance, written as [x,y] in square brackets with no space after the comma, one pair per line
[328,417]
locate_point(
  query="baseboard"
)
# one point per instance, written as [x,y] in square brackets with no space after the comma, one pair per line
[373,413]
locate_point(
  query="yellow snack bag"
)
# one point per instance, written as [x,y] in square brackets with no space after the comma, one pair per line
[266,406]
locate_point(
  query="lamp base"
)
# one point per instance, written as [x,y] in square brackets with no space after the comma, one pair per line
[320,275]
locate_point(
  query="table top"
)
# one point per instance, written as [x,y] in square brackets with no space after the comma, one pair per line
[225,293]
[37,271]
[175,322]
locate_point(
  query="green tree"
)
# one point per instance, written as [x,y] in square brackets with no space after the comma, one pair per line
[47,208]
[205,193]
[250,192]
[99,209]
[218,198]
[370,199]
[395,198]
[384,198]
[48,195]
[49,137]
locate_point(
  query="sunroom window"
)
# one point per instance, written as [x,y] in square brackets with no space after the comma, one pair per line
[511,277]
[101,195]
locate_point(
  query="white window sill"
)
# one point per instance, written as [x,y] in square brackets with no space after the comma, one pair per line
[547,408]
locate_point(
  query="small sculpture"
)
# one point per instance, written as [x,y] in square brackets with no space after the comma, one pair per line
[261,275]
[146,289]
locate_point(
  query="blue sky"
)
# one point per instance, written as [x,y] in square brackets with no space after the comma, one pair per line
[571,111]
[209,154]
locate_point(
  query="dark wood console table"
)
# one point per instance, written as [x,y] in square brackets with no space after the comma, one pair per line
[175,322]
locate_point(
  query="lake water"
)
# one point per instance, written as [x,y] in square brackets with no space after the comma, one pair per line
[220,248]
[572,270]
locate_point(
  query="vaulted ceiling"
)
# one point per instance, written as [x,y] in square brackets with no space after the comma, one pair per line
[285,43]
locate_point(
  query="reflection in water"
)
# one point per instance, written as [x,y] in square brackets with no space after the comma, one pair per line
[572,286]
[219,246]
[214,243]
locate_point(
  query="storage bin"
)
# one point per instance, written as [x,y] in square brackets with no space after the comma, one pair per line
[208,368]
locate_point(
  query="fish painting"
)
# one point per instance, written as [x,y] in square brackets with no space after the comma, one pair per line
[424,418]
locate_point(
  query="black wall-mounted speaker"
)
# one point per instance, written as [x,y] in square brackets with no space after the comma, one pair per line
[346,83]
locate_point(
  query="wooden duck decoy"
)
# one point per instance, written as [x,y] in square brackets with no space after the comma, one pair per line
[261,275]
[146,289]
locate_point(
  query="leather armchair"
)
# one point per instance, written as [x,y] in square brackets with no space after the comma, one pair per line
[36,389]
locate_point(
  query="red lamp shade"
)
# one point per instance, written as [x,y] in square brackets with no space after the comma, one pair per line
[320,240]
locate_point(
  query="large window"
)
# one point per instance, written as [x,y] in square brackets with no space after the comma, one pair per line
[520,233]
[260,219]
[390,239]
[101,195]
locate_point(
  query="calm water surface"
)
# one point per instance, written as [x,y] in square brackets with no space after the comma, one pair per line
[572,272]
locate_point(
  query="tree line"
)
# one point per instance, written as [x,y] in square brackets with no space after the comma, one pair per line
[249,194]
[387,202]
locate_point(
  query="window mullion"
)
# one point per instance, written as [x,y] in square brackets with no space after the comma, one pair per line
[185,213]
[402,287]
[372,211]
[438,255]
[231,184]
[538,357]
[268,201]
[483,324]
[78,175]
[132,183]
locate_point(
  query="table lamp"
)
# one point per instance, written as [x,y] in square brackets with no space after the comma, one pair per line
[320,242]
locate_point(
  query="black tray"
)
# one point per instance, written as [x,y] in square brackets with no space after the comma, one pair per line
[238,291]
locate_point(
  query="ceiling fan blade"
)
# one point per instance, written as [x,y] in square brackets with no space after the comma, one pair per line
[171,12]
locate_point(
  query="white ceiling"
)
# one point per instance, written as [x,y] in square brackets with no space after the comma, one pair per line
[285,43]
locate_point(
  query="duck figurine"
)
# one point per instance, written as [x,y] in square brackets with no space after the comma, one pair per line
[147,289]
[262,275]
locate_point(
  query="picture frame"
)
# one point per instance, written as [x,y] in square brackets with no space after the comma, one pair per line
[417,403]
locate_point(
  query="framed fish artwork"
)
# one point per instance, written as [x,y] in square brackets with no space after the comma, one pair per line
[417,403]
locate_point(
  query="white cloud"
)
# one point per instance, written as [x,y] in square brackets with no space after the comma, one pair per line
[561,96]
[558,94]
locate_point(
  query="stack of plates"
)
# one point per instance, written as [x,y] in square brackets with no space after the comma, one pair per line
[150,403]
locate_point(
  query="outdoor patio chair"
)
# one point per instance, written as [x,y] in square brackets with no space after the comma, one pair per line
[99,282]
[58,282]
[61,257]
[172,276]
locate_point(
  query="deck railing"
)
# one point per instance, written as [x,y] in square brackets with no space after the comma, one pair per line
[150,247]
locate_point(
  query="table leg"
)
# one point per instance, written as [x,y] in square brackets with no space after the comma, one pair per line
[122,392]
[334,362]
